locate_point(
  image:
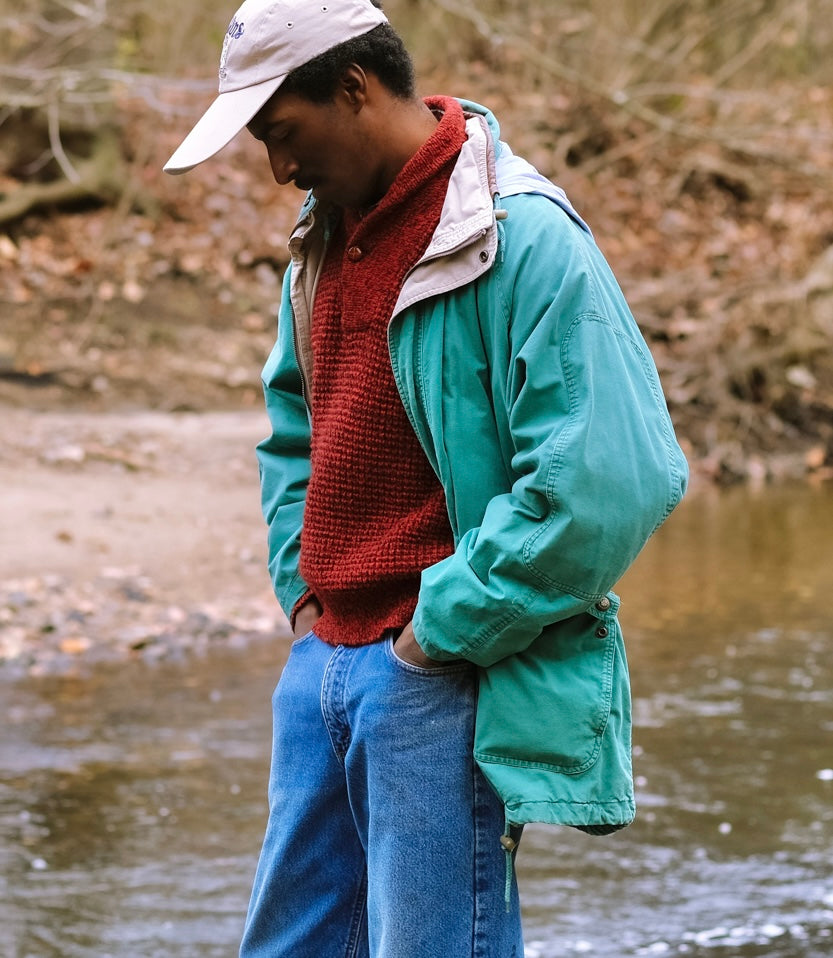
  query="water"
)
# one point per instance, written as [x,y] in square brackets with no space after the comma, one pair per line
[729,625]
[132,800]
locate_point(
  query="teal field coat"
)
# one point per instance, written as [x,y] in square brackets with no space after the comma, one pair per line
[538,404]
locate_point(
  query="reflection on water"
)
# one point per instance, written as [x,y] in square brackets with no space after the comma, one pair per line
[132,802]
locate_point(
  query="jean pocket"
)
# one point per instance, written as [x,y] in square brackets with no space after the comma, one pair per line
[458,665]
[303,638]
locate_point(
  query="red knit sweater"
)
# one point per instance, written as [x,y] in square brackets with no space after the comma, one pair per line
[375,513]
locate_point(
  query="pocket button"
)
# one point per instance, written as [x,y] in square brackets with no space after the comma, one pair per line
[601,632]
[603,604]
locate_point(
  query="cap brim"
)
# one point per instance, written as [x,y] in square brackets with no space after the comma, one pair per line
[220,123]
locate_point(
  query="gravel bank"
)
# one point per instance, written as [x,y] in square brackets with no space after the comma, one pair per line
[129,535]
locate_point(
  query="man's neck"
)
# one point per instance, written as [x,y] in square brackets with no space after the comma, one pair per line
[414,124]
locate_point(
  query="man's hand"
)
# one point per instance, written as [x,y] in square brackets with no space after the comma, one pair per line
[306,617]
[407,648]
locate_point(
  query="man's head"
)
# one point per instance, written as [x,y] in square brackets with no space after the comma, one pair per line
[270,40]
[345,123]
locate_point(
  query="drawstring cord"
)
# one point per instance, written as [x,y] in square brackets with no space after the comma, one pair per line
[509,842]
[500,215]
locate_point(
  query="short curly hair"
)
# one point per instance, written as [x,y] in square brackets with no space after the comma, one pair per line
[381,52]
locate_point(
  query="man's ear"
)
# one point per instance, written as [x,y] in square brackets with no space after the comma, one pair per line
[353,86]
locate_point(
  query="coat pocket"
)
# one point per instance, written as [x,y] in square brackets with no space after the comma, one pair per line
[549,705]
[553,730]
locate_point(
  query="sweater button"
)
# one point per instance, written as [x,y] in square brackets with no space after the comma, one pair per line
[354,254]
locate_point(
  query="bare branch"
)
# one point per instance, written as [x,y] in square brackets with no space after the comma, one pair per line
[756,44]
[61,158]
[743,141]
[98,177]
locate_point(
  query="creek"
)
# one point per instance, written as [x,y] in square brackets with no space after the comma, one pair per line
[132,797]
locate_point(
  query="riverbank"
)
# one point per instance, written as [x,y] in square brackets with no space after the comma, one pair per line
[130,536]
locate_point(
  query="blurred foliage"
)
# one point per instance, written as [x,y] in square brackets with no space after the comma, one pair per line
[698,134]
[744,42]
[587,82]
[688,67]
[735,72]
[74,50]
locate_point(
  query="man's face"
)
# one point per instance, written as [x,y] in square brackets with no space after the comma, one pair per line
[318,147]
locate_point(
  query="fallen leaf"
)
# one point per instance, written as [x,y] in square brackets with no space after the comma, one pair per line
[75,645]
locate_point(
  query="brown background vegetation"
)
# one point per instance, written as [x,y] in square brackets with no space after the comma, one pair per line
[696,137]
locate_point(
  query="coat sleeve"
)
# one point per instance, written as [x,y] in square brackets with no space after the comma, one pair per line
[596,467]
[284,461]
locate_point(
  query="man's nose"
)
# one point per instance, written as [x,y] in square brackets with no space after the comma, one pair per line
[283,166]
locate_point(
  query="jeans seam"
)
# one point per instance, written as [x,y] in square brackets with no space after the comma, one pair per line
[479,946]
[354,938]
[332,688]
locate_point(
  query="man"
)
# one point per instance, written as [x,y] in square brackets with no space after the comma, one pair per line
[470,446]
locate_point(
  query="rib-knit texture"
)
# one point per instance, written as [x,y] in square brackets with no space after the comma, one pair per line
[375,513]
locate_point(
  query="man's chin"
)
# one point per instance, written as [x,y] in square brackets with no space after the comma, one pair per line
[324,194]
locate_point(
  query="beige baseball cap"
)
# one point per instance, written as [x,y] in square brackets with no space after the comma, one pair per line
[266,40]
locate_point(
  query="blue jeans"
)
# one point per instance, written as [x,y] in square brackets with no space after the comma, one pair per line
[383,838]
